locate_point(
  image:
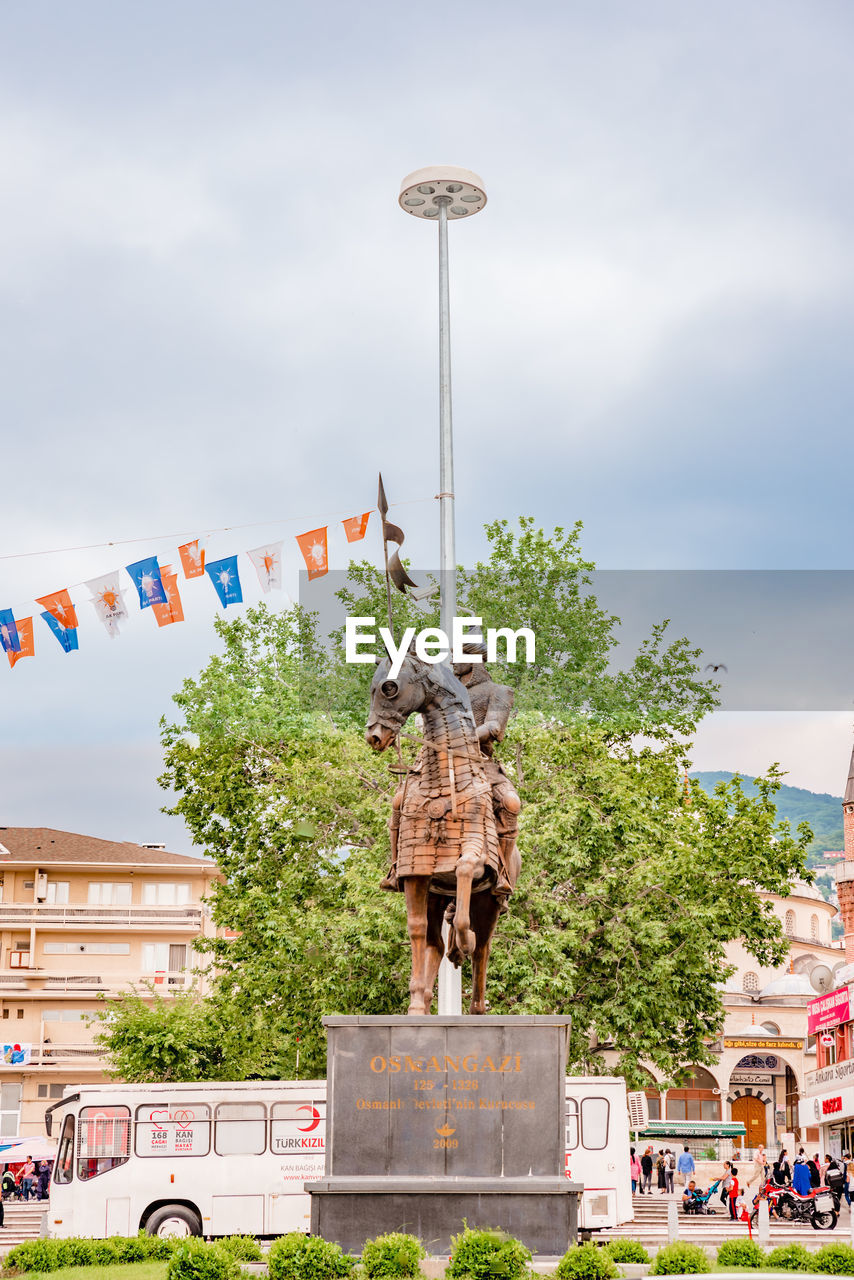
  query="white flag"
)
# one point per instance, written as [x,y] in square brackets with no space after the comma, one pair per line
[268,565]
[108,601]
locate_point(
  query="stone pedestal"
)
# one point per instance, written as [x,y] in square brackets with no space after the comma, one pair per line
[433,1122]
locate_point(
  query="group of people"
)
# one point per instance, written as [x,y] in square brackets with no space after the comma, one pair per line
[27,1181]
[665,1165]
[807,1173]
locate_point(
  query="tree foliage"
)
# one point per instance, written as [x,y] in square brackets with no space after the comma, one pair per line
[631,886]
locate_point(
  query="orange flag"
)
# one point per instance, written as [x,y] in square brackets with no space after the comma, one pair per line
[315,550]
[59,605]
[172,610]
[25,635]
[192,559]
[356,527]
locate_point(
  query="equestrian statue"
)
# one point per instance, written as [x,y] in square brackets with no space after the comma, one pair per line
[454,818]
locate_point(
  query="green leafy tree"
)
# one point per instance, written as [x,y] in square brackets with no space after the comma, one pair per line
[630,887]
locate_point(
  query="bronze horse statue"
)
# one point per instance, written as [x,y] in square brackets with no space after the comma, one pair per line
[446,843]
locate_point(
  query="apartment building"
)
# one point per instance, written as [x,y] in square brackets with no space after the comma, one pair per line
[80,919]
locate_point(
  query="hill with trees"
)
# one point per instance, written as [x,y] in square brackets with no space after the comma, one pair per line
[823,812]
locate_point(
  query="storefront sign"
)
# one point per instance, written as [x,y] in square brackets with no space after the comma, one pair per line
[731,1042]
[829,1011]
[827,1108]
[816,1081]
[751,1077]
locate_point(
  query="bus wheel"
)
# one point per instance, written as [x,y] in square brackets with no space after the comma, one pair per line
[174,1220]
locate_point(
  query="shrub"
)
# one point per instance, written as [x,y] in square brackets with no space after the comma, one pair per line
[394,1254]
[627,1251]
[740,1253]
[487,1255]
[299,1257]
[161,1247]
[104,1253]
[834,1260]
[680,1259]
[789,1257]
[32,1255]
[193,1259]
[131,1248]
[587,1262]
[242,1248]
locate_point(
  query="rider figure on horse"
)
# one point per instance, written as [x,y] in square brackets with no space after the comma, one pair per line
[491,705]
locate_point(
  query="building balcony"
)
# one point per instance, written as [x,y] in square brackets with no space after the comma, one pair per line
[50,916]
[43,982]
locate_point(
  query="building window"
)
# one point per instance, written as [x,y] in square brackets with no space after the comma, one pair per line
[63,1015]
[165,957]
[750,982]
[814,928]
[57,892]
[107,893]
[790,924]
[165,894]
[10,1109]
[771,1028]
[698,1099]
[51,1090]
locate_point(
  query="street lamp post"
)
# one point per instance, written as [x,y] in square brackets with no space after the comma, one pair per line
[444,193]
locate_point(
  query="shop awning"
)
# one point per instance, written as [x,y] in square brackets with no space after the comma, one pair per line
[692,1129]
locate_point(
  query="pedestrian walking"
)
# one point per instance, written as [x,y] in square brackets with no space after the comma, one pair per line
[814,1167]
[634,1170]
[733,1192]
[726,1182]
[660,1179]
[685,1167]
[782,1170]
[646,1171]
[760,1167]
[27,1174]
[669,1171]
[44,1180]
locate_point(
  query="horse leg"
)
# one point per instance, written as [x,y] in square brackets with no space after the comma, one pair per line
[469,865]
[415,891]
[485,912]
[435,945]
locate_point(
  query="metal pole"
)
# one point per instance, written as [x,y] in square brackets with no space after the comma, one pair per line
[450,979]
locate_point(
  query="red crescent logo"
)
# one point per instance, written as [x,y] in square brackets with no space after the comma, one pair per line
[307,1128]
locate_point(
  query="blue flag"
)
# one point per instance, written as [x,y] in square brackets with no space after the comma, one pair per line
[67,636]
[223,574]
[145,576]
[9,637]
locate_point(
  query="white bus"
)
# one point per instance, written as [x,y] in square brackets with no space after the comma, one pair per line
[217,1159]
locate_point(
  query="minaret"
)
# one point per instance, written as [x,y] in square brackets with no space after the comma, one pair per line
[845,871]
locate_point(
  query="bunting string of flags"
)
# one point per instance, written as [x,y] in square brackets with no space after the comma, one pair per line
[155,585]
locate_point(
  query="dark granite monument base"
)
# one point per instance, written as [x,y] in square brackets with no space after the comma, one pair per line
[435,1122]
[541,1212]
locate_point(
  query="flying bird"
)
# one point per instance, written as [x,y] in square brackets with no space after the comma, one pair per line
[716,666]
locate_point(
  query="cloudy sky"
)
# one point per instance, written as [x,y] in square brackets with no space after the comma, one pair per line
[214,314]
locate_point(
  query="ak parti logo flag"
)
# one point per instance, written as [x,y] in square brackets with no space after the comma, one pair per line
[315,550]
[59,605]
[173,609]
[356,527]
[24,628]
[67,636]
[192,559]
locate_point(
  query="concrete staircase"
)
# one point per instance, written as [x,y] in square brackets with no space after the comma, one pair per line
[22,1221]
[650,1225]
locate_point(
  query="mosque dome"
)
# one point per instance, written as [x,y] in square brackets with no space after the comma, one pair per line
[789,984]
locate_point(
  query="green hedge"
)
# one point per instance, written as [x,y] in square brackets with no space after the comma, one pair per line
[194,1259]
[483,1254]
[789,1257]
[77,1251]
[299,1257]
[394,1256]
[627,1251]
[741,1253]
[680,1259]
[834,1260]
[586,1262]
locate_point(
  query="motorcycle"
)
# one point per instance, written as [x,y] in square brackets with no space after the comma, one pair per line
[819,1208]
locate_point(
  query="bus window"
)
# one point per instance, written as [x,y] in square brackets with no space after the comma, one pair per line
[594,1123]
[182,1129]
[295,1125]
[103,1140]
[571,1124]
[63,1170]
[240,1129]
